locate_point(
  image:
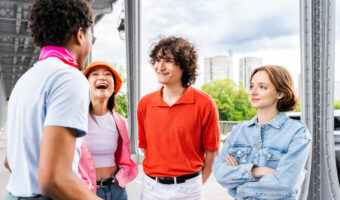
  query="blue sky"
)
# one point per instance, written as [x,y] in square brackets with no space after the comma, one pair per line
[262,28]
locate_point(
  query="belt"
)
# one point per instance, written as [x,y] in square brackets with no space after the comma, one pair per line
[173,180]
[105,182]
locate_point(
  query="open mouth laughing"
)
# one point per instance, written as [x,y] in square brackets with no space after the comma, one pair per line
[102,86]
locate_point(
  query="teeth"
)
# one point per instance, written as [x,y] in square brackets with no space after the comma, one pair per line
[101,86]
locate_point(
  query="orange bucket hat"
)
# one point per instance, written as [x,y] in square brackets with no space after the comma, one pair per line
[118,80]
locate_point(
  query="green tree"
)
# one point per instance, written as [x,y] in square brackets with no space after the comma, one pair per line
[121,97]
[121,104]
[337,104]
[298,107]
[232,101]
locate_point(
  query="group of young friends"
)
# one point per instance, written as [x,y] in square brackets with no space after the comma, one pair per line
[65,140]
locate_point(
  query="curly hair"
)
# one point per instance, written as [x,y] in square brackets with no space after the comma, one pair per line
[283,83]
[184,53]
[53,22]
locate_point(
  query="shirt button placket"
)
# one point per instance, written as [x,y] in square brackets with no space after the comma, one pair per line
[257,146]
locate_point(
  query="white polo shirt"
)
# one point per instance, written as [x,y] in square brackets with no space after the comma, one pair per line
[51,93]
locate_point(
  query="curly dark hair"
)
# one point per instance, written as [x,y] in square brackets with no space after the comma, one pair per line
[184,54]
[53,22]
[283,83]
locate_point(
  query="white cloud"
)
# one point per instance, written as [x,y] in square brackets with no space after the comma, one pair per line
[108,46]
[219,21]
[262,28]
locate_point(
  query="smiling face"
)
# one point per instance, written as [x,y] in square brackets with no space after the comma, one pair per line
[168,73]
[263,94]
[101,83]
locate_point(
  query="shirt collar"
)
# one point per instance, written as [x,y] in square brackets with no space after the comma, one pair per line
[276,122]
[186,98]
[252,121]
[59,52]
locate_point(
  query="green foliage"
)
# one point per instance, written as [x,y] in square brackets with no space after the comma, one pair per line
[121,97]
[337,104]
[298,107]
[121,104]
[232,101]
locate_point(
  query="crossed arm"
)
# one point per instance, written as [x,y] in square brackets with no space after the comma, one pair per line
[248,179]
[257,172]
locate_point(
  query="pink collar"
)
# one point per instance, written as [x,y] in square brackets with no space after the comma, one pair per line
[59,52]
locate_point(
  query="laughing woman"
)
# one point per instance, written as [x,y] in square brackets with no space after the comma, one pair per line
[106,165]
[265,157]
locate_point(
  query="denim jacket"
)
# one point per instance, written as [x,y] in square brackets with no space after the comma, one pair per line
[282,144]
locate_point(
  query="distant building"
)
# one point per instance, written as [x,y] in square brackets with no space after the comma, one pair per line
[218,67]
[247,64]
[336,90]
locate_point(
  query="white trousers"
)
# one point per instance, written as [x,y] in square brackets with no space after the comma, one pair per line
[191,189]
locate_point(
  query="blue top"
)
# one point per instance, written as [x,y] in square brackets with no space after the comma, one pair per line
[282,144]
[51,93]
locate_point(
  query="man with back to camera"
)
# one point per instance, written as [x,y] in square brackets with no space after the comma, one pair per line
[48,107]
[177,126]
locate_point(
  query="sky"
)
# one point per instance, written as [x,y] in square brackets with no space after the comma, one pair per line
[263,28]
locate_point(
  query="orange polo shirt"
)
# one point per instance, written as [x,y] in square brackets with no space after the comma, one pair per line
[174,138]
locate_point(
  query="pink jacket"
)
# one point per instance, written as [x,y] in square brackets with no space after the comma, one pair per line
[128,169]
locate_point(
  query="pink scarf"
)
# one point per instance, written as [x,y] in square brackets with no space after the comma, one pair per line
[59,52]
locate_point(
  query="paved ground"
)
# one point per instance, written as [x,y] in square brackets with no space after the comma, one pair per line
[212,190]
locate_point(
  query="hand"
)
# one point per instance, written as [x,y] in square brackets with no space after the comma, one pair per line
[115,181]
[231,160]
[258,172]
[7,165]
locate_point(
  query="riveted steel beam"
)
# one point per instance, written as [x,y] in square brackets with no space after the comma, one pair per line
[318,43]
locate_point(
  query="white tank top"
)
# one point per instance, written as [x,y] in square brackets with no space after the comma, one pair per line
[102,139]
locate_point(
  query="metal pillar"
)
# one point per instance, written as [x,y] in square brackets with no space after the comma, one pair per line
[317,52]
[132,31]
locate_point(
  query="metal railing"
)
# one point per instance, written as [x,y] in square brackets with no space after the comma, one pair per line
[226,126]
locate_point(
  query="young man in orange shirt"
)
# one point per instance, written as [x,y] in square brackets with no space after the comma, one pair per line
[177,126]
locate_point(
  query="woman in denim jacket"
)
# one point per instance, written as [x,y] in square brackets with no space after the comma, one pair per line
[264,158]
[106,165]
